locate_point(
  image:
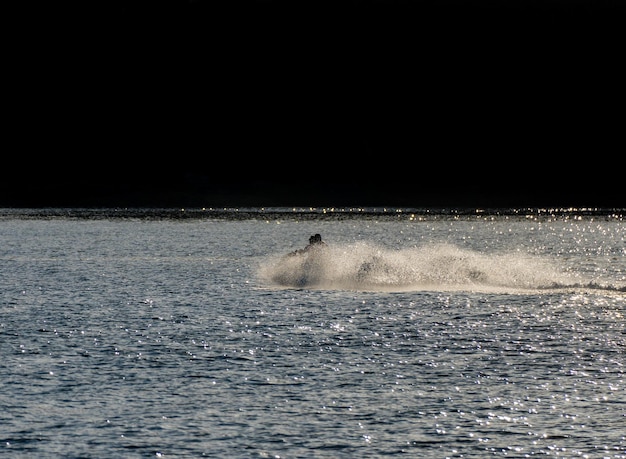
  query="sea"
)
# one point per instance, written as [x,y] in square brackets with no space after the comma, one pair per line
[418,333]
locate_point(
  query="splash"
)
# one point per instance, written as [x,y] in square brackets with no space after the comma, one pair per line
[436,267]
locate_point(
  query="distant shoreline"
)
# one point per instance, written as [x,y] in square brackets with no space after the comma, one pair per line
[300,213]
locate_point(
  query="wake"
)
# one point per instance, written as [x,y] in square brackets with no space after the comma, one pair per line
[435,267]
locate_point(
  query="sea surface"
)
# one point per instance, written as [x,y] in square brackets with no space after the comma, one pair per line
[143,333]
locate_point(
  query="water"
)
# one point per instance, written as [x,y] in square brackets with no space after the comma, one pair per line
[136,334]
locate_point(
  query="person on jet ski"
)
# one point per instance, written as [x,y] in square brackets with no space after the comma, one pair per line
[315,242]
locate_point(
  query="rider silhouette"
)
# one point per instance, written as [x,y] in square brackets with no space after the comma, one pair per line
[314,241]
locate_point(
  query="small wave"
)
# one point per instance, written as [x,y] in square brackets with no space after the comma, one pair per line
[589,286]
[369,267]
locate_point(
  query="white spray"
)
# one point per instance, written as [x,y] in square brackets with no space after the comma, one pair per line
[366,266]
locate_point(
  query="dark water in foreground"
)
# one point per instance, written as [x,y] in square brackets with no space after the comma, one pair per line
[469,336]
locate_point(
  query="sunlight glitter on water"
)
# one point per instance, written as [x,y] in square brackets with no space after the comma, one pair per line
[459,338]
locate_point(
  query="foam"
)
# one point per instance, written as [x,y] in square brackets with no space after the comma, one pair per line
[369,267]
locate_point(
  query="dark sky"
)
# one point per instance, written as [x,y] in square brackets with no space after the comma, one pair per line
[344,102]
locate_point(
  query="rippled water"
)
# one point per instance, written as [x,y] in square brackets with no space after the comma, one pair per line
[429,337]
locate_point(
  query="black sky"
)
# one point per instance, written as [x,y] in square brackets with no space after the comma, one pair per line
[397,103]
